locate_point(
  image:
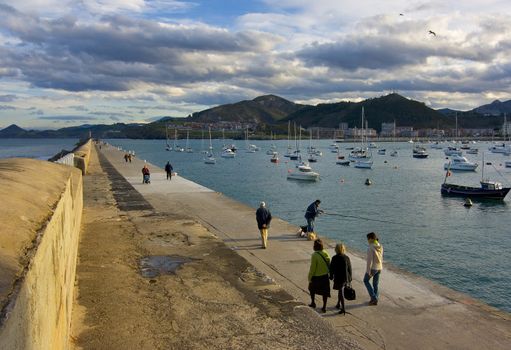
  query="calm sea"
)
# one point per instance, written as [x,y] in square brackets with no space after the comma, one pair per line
[34,148]
[436,237]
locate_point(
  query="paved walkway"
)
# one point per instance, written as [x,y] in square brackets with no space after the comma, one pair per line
[413,312]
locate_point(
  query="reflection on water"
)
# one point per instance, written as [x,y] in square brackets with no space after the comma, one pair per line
[422,231]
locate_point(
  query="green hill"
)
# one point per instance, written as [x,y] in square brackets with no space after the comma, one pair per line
[389,108]
[263,109]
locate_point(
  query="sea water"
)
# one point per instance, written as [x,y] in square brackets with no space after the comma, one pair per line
[34,148]
[466,249]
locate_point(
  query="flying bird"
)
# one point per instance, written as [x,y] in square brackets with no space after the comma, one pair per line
[432,32]
[401,14]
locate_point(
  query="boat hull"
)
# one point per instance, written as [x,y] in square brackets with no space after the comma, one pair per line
[473,192]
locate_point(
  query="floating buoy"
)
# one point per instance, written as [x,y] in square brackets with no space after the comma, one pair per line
[395,167]
[368,182]
[468,203]
[385,161]
[341,180]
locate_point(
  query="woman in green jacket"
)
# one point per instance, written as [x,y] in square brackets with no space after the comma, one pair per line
[318,274]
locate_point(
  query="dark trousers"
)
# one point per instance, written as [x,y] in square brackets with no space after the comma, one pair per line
[169,175]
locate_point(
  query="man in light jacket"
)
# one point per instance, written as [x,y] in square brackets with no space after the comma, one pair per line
[374,266]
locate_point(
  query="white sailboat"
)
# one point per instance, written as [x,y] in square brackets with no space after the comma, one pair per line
[167,145]
[288,152]
[176,147]
[210,159]
[188,148]
[363,158]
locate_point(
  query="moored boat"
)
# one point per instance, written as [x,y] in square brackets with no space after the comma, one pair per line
[303,173]
[419,152]
[460,163]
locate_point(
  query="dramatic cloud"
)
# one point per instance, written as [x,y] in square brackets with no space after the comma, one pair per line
[117,59]
[7,98]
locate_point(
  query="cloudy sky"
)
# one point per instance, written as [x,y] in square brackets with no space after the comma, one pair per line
[71,62]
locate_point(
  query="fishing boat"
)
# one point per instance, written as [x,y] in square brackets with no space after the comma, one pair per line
[382,151]
[303,173]
[419,152]
[487,190]
[460,163]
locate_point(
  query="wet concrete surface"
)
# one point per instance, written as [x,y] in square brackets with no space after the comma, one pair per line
[156,265]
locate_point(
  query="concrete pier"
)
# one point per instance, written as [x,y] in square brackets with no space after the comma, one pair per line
[413,312]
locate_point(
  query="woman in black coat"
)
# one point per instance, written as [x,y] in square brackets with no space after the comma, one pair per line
[340,273]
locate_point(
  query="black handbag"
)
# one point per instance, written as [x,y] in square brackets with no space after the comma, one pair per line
[349,292]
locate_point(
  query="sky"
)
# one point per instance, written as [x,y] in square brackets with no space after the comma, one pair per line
[73,62]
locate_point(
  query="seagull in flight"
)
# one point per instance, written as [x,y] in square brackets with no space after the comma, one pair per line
[401,14]
[432,32]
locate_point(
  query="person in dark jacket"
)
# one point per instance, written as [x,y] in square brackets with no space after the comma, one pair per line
[340,273]
[311,213]
[263,217]
[146,175]
[168,170]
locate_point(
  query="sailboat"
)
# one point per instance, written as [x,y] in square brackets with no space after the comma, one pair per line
[296,153]
[363,159]
[312,151]
[167,146]
[176,147]
[249,148]
[210,159]
[289,152]
[273,147]
[188,148]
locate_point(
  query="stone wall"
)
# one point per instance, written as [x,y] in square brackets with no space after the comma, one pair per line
[82,156]
[40,210]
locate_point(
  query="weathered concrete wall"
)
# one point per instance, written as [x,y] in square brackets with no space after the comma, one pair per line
[82,156]
[40,211]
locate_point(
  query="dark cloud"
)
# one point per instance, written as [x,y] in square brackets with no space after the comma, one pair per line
[37,112]
[116,51]
[6,107]
[379,52]
[7,98]
[68,118]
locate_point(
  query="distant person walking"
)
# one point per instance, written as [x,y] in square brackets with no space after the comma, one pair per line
[311,213]
[374,266]
[146,175]
[318,274]
[168,170]
[126,157]
[340,273]
[263,218]
[129,157]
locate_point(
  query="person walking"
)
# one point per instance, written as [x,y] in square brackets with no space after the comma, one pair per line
[311,213]
[146,175]
[318,274]
[126,157]
[374,266]
[263,218]
[340,273]
[168,170]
